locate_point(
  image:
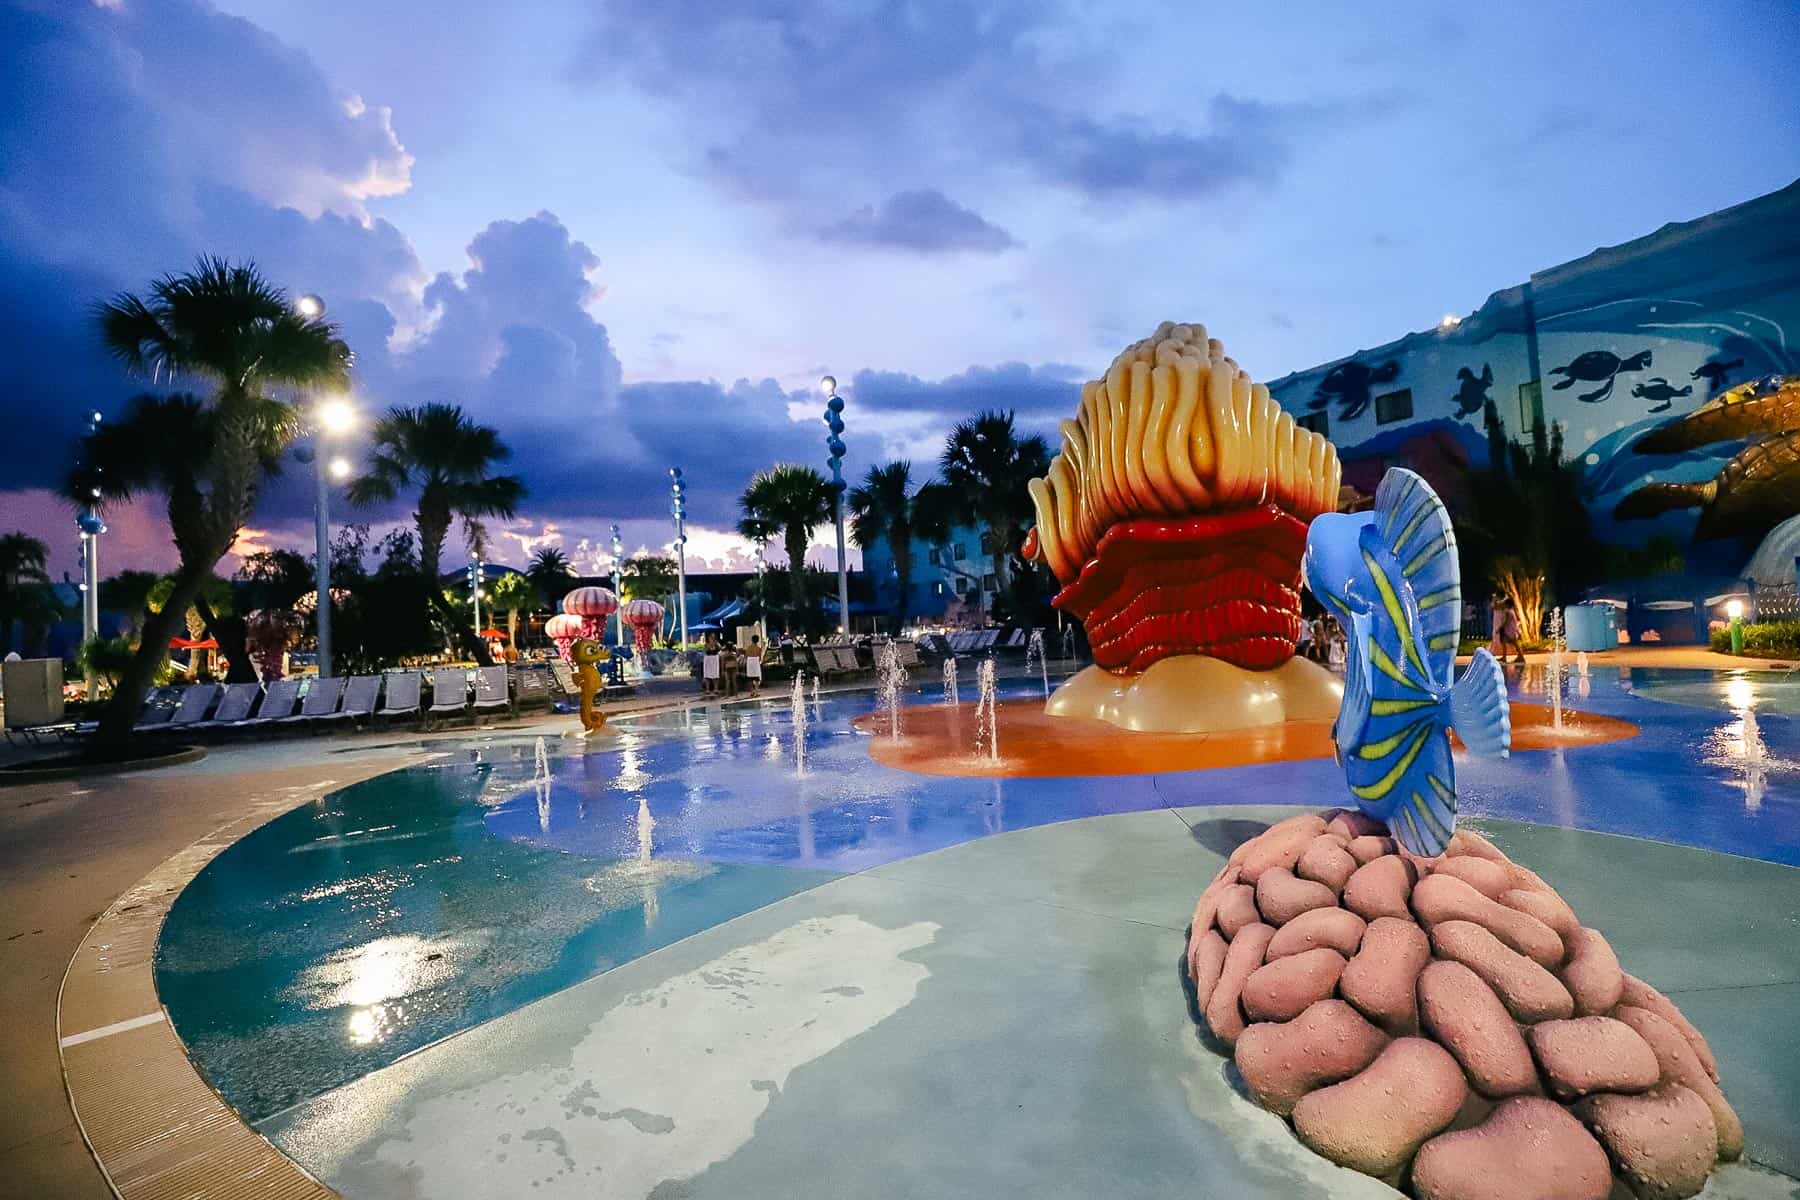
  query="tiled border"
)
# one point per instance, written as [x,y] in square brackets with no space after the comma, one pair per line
[157,1128]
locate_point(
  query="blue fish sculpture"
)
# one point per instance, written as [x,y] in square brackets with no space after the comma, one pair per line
[1390,577]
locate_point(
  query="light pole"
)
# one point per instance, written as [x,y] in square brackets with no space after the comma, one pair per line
[678,507]
[332,417]
[618,583]
[834,421]
[91,527]
[475,574]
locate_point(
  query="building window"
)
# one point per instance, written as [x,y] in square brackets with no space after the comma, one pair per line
[936,556]
[959,552]
[987,543]
[989,583]
[1319,422]
[960,584]
[1394,406]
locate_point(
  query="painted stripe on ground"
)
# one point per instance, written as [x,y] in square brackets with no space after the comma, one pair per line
[75,1039]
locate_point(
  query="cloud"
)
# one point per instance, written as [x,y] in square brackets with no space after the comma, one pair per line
[786,100]
[924,222]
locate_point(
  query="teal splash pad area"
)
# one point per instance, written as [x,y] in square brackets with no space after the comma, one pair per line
[396,927]
[1003,1017]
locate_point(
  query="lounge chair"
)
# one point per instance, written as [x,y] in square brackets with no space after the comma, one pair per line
[278,701]
[360,694]
[563,676]
[190,712]
[907,653]
[449,693]
[234,706]
[322,700]
[491,691]
[159,708]
[532,686]
[402,697]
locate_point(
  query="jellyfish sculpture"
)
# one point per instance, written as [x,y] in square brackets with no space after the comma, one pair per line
[563,629]
[644,617]
[591,605]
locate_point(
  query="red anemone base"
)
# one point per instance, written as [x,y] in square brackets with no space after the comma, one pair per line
[1225,585]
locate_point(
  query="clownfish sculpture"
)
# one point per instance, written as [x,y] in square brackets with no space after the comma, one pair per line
[1391,579]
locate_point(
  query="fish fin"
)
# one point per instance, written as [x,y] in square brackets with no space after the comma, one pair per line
[1359,700]
[1416,527]
[1478,709]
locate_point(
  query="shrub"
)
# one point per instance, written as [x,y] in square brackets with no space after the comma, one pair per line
[1763,639]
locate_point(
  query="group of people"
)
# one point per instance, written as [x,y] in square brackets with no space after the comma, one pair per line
[722,663]
[1322,639]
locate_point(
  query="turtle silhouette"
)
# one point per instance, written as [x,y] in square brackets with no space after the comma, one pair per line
[1595,366]
[1349,384]
[1714,373]
[1473,392]
[1659,391]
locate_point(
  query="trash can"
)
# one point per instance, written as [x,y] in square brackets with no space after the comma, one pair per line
[1591,627]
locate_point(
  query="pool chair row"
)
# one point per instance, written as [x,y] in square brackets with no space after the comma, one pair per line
[284,704]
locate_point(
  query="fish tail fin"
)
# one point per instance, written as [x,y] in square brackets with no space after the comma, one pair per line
[1654,499]
[1478,709]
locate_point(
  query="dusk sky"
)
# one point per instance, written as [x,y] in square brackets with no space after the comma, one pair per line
[633,235]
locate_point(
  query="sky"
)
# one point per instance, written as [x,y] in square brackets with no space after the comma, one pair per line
[634,235]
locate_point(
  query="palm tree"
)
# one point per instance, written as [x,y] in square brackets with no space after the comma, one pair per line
[223,324]
[796,500]
[509,594]
[648,577]
[986,466]
[439,450]
[24,585]
[550,574]
[884,507]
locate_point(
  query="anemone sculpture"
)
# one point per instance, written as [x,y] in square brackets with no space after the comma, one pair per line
[1175,518]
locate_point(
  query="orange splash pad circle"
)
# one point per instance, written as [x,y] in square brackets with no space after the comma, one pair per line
[937,739]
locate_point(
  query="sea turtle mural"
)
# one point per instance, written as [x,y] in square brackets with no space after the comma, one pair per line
[1598,366]
[1755,490]
[1472,392]
[1714,372]
[1349,384]
[1660,393]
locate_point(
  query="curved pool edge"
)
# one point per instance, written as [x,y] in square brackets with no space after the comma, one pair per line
[149,1118]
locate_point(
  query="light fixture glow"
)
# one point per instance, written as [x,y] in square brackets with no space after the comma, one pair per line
[1734,609]
[310,307]
[828,386]
[339,468]
[1450,321]
[336,415]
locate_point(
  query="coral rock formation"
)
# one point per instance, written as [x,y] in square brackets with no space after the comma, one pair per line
[1447,1024]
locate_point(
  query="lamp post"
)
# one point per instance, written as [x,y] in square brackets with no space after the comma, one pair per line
[618,583]
[678,508]
[1734,609]
[834,421]
[475,574]
[91,527]
[332,416]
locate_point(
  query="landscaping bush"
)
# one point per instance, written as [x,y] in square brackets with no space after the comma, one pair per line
[1765,639]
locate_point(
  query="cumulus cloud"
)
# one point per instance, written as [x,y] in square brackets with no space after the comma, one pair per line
[924,221]
[790,98]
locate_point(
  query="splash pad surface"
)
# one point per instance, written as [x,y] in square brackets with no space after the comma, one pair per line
[325,960]
[939,740]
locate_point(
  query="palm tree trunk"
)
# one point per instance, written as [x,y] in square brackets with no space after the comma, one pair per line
[112,740]
[229,633]
[902,572]
[794,541]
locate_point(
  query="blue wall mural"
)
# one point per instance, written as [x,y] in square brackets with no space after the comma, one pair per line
[1612,346]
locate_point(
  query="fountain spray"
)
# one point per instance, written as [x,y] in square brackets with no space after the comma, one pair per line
[1034,650]
[950,697]
[987,719]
